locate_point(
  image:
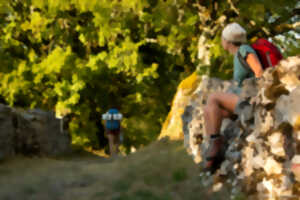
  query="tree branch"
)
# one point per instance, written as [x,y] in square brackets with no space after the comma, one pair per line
[279,26]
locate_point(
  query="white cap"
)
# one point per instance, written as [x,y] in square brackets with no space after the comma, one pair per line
[234,33]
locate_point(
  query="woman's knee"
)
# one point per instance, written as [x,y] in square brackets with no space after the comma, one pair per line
[213,98]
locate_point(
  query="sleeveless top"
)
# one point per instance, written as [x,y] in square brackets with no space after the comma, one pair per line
[240,73]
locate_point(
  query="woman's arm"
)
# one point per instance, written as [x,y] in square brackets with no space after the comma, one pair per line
[254,64]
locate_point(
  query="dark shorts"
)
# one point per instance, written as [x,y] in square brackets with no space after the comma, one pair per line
[113,132]
[241,104]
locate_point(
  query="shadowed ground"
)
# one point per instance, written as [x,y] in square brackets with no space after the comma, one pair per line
[160,171]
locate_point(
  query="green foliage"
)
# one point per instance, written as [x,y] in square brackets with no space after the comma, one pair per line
[289,46]
[81,57]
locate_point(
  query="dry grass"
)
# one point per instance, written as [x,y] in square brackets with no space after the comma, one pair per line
[161,171]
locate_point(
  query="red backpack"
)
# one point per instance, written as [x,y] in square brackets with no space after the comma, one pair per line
[268,53]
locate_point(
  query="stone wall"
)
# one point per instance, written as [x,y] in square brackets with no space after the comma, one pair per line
[263,151]
[33,132]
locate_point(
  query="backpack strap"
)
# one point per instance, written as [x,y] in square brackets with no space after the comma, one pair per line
[247,66]
[269,59]
[243,61]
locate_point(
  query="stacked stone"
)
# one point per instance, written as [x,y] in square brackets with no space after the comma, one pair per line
[263,155]
[270,147]
[6,132]
[193,120]
[32,132]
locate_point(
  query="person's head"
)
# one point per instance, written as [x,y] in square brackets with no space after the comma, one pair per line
[233,35]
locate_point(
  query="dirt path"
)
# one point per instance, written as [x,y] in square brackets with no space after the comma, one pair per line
[161,171]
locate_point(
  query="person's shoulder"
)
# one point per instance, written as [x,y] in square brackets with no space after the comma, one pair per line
[245,49]
[245,46]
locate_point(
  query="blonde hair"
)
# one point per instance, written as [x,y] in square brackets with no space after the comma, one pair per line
[234,33]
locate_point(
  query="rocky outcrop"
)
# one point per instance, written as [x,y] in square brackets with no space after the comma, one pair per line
[33,132]
[7,131]
[263,151]
[192,118]
[173,124]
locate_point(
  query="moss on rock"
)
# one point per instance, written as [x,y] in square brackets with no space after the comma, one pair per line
[173,124]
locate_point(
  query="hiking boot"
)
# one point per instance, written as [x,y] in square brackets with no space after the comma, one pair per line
[215,154]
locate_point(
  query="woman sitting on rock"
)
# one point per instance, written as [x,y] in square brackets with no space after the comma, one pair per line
[222,105]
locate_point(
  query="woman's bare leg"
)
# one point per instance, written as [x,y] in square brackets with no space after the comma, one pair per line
[117,142]
[111,144]
[219,106]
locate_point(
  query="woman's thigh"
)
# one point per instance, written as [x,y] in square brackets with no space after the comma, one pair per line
[227,101]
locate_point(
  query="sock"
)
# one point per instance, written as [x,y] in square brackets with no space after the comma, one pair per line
[213,136]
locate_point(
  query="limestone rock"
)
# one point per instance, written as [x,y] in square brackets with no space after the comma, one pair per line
[262,141]
[289,72]
[296,167]
[40,132]
[172,127]
[7,132]
[287,108]
[276,143]
[258,162]
[33,132]
[272,166]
